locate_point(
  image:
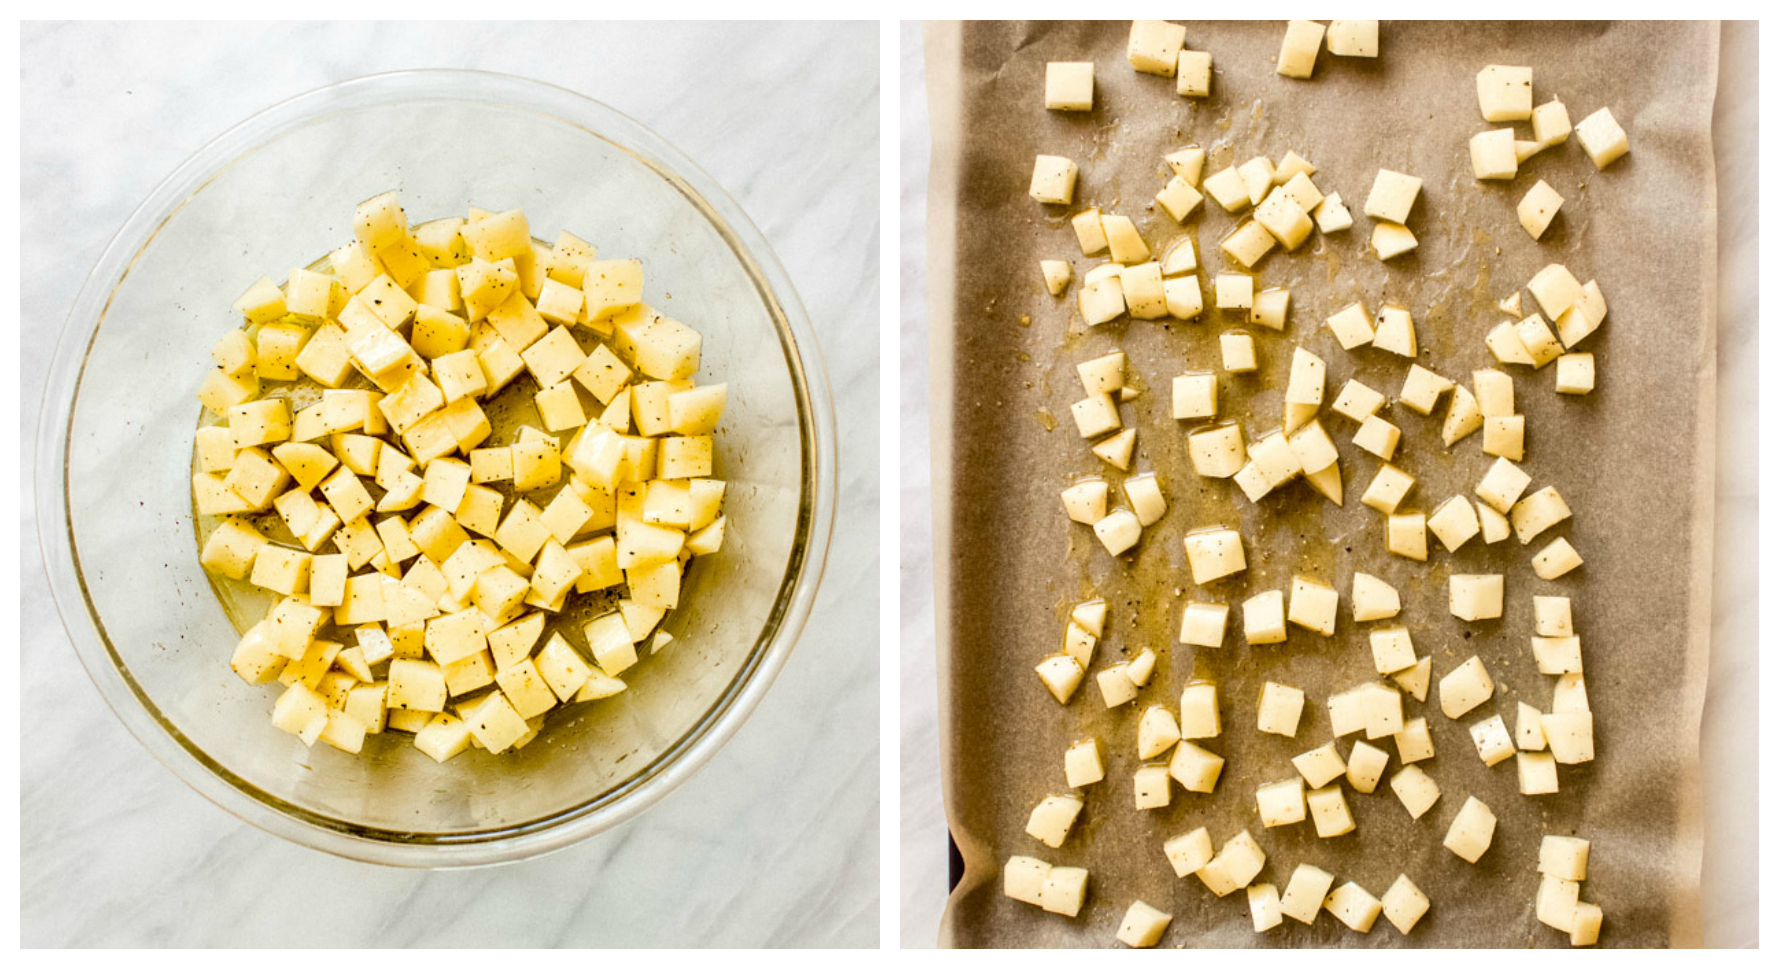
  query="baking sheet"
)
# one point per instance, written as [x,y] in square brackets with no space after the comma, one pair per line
[1633,459]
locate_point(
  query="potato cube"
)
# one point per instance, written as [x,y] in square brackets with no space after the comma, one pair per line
[1198,711]
[1538,773]
[1454,523]
[1602,138]
[1053,180]
[1234,866]
[1297,53]
[1421,389]
[1085,502]
[1118,531]
[1143,925]
[1178,198]
[1555,288]
[1331,215]
[1570,735]
[1404,904]
[1235,291]
[1263,906]
[416,685]
[1101,300]
[1195,396]
[1502,486]
[1504,93]
[1061,675]
[1281,802]
[1406,535]
[1090,231]
[1263,618]
[1203,624]
[1505,437]
[1321,765]
[1575,373]
[1068,86]
[1023,879]
[1064,891]
[1217,452]
[1464,688]
[1396,334]
[1155,46]
[1305,893]
[1392,196]
[1280,709]
[1152,787]
[1082,764]
[610,287]
[1238,355]
[1314,605]
[1280,215]
[1492,155]
[1492,742]
[1214,553]
[1227,188]
[1476,597]
[1189,852]
[1247,245]
[1365,766]
[1373,598]
[1387,490]
[1563,858]
[1270,307]
[1392,650]
[300,711]
[1353,38]
[1389,240]
[1472,831]
[1352,326]
[1193,74]
[1355,907]
[1538,208]
[1557,559]
[1415,790]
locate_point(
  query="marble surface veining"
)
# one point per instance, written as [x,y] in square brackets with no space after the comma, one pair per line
[775,842]
[1729,741]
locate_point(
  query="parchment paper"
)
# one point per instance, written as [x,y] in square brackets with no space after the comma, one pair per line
[1633,459]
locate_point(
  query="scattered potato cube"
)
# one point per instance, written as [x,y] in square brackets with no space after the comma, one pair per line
[1082,764]
[1263,906]
[1068,86]
[1297,53]
[1143,925]
[1389,240]
[1465,688]
[1602,138]
[1263,618]
[1189,852]
[1575,373]
[1152,787]
[1052,818]
[1415,790]
[1193,74]
[1558,559]
[1305,893]
[1392,196]
[1281,803]
[1504,93]
[1053,180]
[1539,208]
[1154,46]
[1353,38]
[1472,831]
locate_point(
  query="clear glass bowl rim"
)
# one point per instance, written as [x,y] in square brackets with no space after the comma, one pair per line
[679,762]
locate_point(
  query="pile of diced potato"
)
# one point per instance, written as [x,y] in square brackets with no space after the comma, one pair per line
[1277,206]
[424,571]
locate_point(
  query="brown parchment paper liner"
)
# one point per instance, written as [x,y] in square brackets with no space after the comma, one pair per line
[1633,459]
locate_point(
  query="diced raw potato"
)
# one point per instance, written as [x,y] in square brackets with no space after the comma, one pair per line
[1091,616]
[1144,296]
[1463,418]
[1414,742]
[1404,904]
[1116,687]
[1263,906]
[1227,188]
[1321,765]
[1143,925]
[1392,196]
[1502,486]
[1314,605]
[1057,275]
[1392,650]
[1415,790]
[1189,852]
[1575,373]
[1157,732]
[1365,766]
[1332,215]
[1023,879]
[1196,768]
[1239,357]
[1528,730]
[1472,831]
[1152,787]
[1061,675]
[1155,46]
[1454,523]
[1052,818]
[1571,736]
[1538,773]
[1313,448]
[1101,300]
[1569,694]
[1195,396]
[1352,38]
[1263,618]
[1421,389]
[1126,244]
[1118,531]
[1214,553]
[1492,154]
[1542,346]
[1080,644]
[1270,307]
[1492,742]
[1396,332]
[1465,688]
[1082,763]
[1280,215]
[1203,623]
[1305,893]
[1602,138]
[1538,208]
[1355,907]
[1193,74]
[1234,866]
[1536,512]
[1505,344]
[1352,326]
[1188,163]
[1280,709]
[1178,198]
[1257,177]
[1293,176]
[1564,858]
[1183,297]
[1248,243]
[1142,667]
[1555,288]
[1558,559]
[1095,414]
[1373,598]
[1588,918]
[1556,902]
[1406,535]
[1389,240]
[1068,86]
[1504,93]
[1297,53]
[1086,502]
[1053,180]
[1550,123]
[1281,803]
[1416,678]
[1494,524]
[1198,711]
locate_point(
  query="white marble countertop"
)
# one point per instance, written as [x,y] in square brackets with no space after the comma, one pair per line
[1729,736]
[775,842]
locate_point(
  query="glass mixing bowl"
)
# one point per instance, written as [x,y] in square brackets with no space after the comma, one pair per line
[114,459]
